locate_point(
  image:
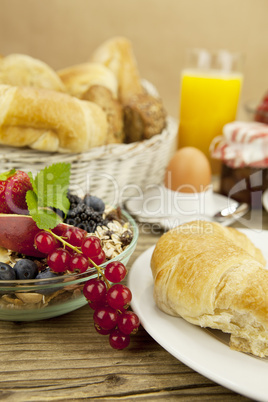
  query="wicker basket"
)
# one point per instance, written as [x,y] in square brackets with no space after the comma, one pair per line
[112,172]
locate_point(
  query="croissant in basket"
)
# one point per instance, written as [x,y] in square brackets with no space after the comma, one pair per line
[87,105]
[48,120]
[22,70]
[214,277]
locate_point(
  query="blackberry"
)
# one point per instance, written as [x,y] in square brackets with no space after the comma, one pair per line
[74,200]
[84,217]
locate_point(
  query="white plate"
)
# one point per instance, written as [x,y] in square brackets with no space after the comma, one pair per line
[178,207]
[205,351]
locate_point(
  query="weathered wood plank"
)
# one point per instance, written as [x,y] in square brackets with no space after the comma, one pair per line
[64,359]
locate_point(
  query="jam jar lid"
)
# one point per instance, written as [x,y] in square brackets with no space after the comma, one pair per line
[242,144]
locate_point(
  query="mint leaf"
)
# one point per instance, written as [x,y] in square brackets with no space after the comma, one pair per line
[32,202]
[46,219]
[32,182]
[5,175]
[52,185]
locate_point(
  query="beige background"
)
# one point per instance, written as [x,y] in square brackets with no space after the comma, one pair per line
[65,32]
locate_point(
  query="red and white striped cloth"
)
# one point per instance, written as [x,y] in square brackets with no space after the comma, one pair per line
[242,144]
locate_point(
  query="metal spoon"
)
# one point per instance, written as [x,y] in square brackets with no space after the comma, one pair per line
[234,211]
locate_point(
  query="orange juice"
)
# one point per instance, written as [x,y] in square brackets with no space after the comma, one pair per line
[209,100]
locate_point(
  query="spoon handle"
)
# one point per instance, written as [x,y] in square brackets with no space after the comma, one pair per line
[232,211]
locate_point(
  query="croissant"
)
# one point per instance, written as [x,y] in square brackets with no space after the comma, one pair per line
[48,120]
[213,276]
[23,70]
[117,55]
[80,78]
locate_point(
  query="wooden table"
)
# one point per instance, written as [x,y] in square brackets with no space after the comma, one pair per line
[64,359]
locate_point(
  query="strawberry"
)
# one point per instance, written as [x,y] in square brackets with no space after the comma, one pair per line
[13,188]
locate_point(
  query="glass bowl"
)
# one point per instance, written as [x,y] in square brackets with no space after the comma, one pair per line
[37,299]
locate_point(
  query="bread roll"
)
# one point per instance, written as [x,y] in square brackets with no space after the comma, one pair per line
[49,120]
[79,78]
[144,117]
[214,277]
[113,110]
[144,114]
[23,70]
[117,55]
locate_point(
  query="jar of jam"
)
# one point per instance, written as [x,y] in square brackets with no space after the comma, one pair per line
[243,150]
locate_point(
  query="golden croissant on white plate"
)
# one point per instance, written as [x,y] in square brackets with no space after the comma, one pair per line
[213,276]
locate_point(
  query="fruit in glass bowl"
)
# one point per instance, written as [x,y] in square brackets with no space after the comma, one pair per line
[45,255]
[49,295]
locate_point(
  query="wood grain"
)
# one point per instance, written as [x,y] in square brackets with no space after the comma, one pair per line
[64,359]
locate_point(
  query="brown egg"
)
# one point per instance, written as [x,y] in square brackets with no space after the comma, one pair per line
[188,171]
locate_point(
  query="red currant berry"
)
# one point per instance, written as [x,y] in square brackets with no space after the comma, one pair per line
[115,271]
[105,317]
[58,260]
[78,262]
[118,340]
[75,236]
[45,242]
[97,304]
[128,322]
[98,259]
[118,296]
[102,331]
[94,290]
[91,246]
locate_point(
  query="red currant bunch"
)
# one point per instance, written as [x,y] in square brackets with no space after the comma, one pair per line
[73,250]
[70,249]
[110,302]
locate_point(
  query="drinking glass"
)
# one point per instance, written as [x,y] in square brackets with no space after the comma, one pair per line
[210,90]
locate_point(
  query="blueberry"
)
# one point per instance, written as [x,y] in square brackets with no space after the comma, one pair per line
[25,269]
[7,273]
[94,202]
[46,274]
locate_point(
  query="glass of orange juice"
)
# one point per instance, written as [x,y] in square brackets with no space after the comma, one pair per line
[210,89]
